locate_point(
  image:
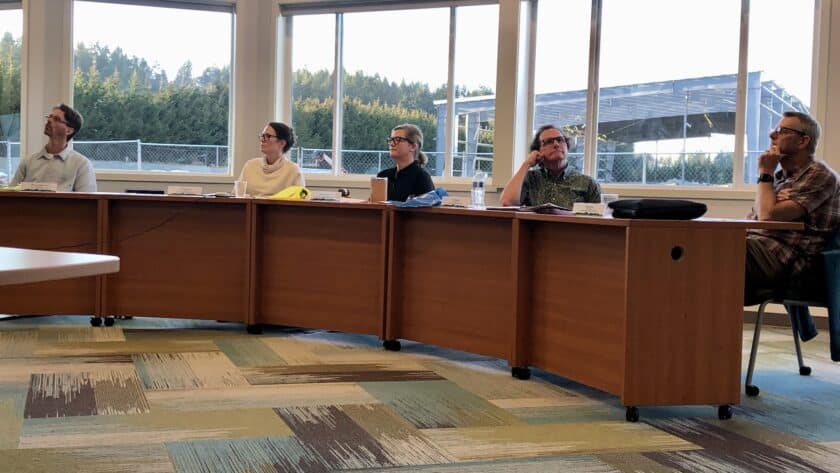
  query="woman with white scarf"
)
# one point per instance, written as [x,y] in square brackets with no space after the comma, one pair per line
[272,172]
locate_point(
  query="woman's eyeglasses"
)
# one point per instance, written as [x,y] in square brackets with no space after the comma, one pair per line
[266,137]
[395,140]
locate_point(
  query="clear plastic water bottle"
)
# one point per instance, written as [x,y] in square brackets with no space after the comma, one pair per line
[477,194]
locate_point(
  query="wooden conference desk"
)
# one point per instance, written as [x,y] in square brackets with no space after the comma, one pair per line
[21,266]
[650,311]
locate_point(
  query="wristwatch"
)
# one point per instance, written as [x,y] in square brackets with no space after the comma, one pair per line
[764,177]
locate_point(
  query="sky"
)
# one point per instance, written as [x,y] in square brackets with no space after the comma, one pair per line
[638,44]
[413,45]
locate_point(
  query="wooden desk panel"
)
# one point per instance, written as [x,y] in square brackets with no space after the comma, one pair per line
[577,302]
[452,282]
[684,315]
[180,257]
[59,222]
[321,265]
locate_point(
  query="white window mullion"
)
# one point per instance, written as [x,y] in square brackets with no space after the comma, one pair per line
[741,98]
[451,124]
[338,95]
[590,154]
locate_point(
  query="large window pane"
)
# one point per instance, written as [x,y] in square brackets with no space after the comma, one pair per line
[11,25]
[666,108]
[153,85]
[560,75]
[779,70]
[313,59]
[476,48]
[395,66]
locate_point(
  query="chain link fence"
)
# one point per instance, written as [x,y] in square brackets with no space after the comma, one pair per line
[371,162]
[665,168]
[612,167]
[134,155]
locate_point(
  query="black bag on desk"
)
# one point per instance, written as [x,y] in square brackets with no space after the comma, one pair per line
[664,209]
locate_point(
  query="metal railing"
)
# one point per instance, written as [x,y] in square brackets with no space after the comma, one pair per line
[681,168]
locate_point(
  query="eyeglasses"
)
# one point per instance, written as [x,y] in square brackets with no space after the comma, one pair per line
[395,140]
[557,139]
[266,137]
[780,130]
[57,119]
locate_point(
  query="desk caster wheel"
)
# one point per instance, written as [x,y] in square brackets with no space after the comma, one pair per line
[805,370]
[724,412]
[752,391]
[520,372]
[632,414]
[392,345]
[255,329]
[109,321]
[96,321]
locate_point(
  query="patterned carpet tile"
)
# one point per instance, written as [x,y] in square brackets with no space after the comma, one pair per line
[300,374]
[582,412]
[140,458]
[10,423]
[281,454]
[402,442]
[20,370]
[118,431]
[18,343]
[491,380]
[342,443]
[187,370]
[567,463]
[438,404]
[631,462]
[53,335]
[249,352]
[66,394]
[731,450]
[522,441]
[286,395]
[812,414]
[125,348]
[189,396]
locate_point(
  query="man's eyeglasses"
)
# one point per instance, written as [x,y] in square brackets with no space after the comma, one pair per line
[395,140]
[780,130]
[557,139]
[266,137]
[57,119]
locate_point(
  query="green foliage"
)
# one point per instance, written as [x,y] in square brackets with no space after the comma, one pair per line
[125,98]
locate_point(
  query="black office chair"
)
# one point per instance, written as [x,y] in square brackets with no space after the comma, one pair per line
[811,292]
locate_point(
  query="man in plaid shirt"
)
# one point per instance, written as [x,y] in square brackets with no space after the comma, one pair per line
[804,190]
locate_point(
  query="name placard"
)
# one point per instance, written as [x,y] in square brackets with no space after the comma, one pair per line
[39,186]
[584,208]
[183,190]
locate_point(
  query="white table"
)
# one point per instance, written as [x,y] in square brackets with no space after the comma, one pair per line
[19,266]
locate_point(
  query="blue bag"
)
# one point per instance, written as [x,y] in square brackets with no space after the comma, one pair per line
[429,199]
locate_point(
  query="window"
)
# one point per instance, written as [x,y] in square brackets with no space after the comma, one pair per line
[666,112]
[560,71]
[11,27]
[313,60]
[398,75]
[153,90]
[475,78]
[779,71]
[391,78]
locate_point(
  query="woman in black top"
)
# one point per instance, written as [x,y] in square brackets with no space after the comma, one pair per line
[409,177]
